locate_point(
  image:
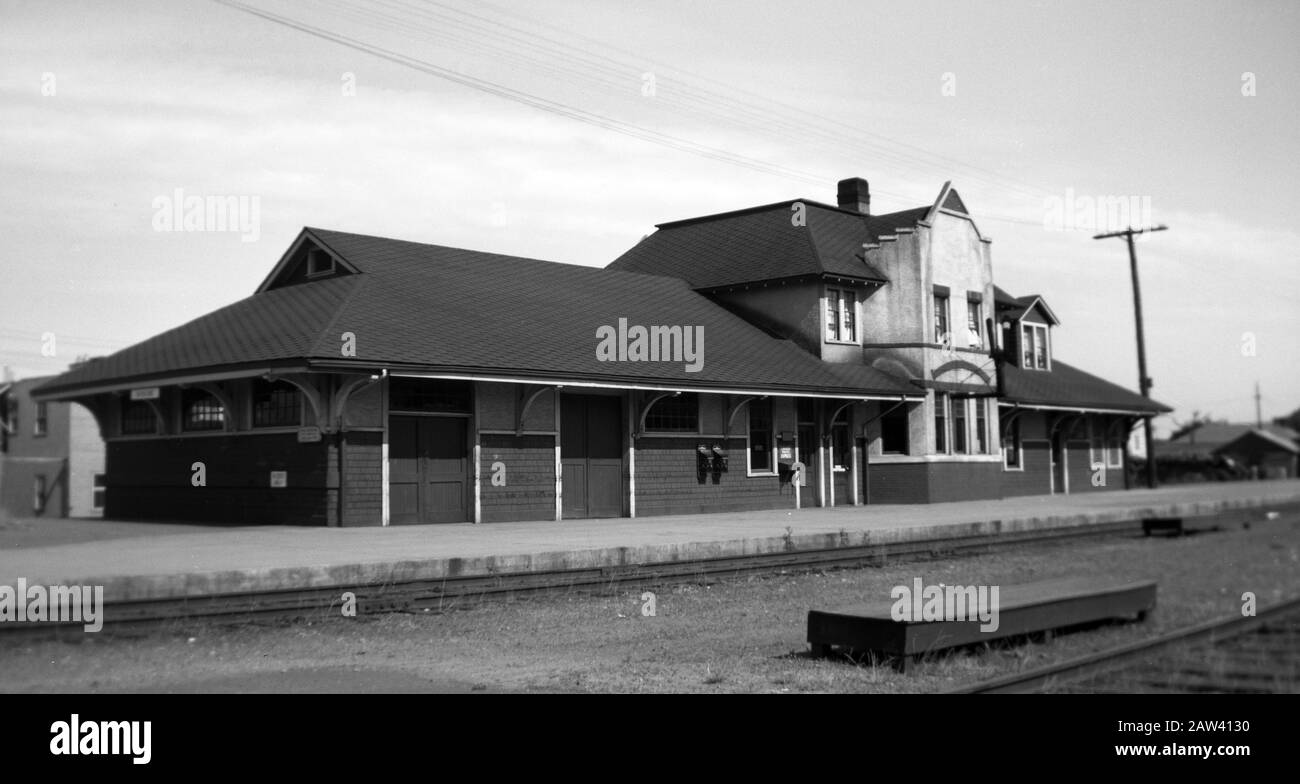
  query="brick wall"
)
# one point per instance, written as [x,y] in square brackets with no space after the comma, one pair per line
[1081,472]
[920,483]
[667,481]
[150,479]
[363,479]
[529,490]
[1036,478]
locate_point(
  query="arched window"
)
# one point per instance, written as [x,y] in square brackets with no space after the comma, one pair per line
[201,410]
[676,414]
[276,404]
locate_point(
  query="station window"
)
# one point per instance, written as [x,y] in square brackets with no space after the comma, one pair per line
[761,437]
[100,485]
[981,427]
[430,396]
[1115,451]
[959,435]
[676,414]
[201,410]
[138,418]
[893,431]
[1011,444]
[1104,445]
[276,404]
[940,424]
[41,422]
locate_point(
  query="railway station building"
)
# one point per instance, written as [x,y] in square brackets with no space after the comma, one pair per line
[791,354]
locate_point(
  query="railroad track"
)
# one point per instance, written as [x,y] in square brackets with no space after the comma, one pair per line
[1256,654]
[440,595]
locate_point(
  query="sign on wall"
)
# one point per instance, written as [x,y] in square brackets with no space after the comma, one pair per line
[279,479]
[308,435]
[145,393]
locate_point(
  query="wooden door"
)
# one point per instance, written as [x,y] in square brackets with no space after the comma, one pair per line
[591,455]
[428,469]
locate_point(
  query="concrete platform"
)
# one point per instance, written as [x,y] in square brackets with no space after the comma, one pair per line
[160,564]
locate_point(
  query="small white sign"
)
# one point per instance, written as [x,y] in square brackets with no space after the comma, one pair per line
[308,435]
[279,479]
[787,453]
[147,393]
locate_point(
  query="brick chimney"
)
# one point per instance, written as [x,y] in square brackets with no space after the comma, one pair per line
[855,195]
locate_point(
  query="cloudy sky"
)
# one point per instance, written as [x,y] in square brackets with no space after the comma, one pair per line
[565,130]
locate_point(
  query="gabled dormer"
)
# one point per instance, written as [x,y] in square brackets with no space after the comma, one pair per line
[1026,324]
[308,259]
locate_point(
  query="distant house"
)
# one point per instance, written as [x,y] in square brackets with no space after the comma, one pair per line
[1291,420]
[1204,441]
[51,456]
[1268,454]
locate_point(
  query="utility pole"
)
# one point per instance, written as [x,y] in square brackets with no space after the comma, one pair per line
[1144,381]
[1259,419]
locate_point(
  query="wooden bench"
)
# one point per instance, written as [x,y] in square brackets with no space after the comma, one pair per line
[1022,609]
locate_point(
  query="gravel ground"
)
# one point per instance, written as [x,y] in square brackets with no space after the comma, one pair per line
[744,634]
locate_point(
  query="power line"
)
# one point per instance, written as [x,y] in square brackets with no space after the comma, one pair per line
[818,122]
[554,107]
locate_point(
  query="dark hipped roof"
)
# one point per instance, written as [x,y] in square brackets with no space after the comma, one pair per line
[428,308]
[762,243]
[1069,387]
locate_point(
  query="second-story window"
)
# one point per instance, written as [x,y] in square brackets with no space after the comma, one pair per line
[941,319]
[841,312]
[41,423]
[1033,346]
[319,263]
[974,324]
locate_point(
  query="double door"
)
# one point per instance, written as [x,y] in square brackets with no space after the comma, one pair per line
[591,455]
[428,469]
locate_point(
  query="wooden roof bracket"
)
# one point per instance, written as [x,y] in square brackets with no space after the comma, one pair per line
[214,389]
[309,392]
[733,408]
[524,400]
[645,409]
[344,392]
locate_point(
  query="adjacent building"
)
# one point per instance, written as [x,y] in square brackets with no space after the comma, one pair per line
[785,355]
[51,456]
